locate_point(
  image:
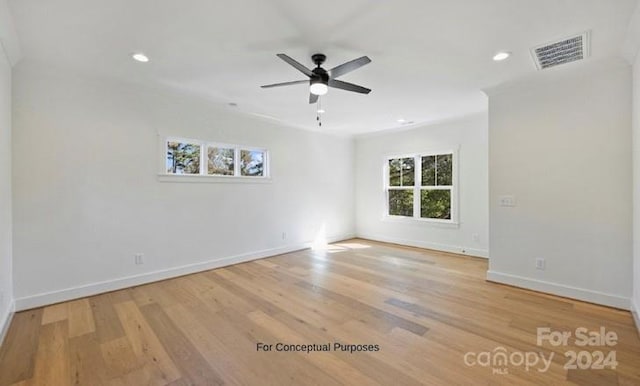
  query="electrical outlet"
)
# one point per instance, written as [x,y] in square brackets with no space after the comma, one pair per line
[475,237]
[540,264]
[507,200]
[139,258]
[284,235]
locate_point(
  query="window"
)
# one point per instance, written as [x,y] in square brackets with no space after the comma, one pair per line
[436,187]
[220,161]
[183,158]
[401,186]
[193,157]
[421,186]
[252,163]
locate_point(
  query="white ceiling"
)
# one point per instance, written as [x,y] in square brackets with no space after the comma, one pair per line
[431,58]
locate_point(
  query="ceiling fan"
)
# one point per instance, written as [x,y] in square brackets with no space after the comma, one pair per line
[320,79]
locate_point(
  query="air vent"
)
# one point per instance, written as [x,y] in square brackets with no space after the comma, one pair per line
[563,51]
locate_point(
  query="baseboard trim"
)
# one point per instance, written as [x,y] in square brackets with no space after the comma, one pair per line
[635,311]
[428,245]
[52,297]
[6,322]
[561,290]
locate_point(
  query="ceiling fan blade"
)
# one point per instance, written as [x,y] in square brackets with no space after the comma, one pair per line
[349,66]
[295,64]
[285,83]
[313,98]
[348,86]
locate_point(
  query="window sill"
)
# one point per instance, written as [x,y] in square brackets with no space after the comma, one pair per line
[417,221]
[212,179]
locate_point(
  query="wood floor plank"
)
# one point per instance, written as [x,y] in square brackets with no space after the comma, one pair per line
[18,352]
[376,366]
[312,311]
[425,310]
[220,356]
[80,318]
[326,361]
[55,313]
[183,354]
[145,344]
[119,358]
[87,366]
[371,314]
[107,324]
[218,297]
[146,375]
[52,361]
[422,368]
[240,336]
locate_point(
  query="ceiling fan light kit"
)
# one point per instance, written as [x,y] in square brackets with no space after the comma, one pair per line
[318,87]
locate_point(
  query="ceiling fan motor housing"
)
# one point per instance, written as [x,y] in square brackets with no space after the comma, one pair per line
[320,75]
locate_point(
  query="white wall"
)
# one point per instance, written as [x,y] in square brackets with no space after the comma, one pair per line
[560,143]
[87,195]
[469,134]
[636,189]
[6,284]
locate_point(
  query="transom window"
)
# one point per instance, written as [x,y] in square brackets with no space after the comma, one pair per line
[421,186]
[193,157]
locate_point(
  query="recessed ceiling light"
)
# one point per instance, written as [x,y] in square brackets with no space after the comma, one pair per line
[402,120]
[320,111]
[501,56]
[140,57]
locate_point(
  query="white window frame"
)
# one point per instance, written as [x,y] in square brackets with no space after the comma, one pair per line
[417,187]
[204,175]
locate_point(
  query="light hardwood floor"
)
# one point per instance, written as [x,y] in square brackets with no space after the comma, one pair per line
[424,309]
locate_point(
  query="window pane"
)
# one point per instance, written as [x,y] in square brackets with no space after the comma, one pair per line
[394,171]
[220,161]
[408,172]
[251,163]
[401,203]
[429,170]
[445,169]
[435,204]
[401,172]
[183,158]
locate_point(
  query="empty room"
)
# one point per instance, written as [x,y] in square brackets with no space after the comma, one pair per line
[356,192]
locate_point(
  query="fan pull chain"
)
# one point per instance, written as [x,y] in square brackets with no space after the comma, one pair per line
[319,108]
